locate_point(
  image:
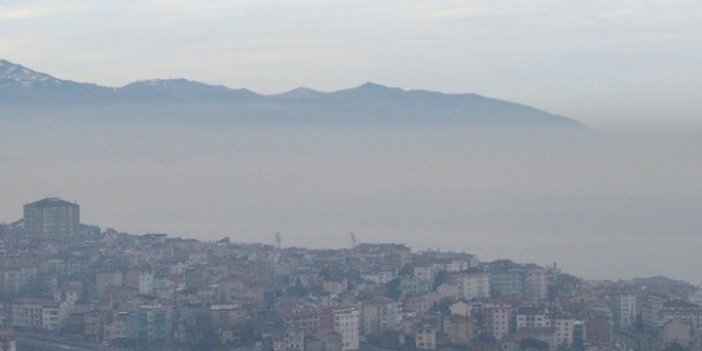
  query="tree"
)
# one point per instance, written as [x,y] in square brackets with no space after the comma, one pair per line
[533,344]
[387,340]
[674,347]
[407,269]
[35,288]
[439,279]
[296,289]
[393,288]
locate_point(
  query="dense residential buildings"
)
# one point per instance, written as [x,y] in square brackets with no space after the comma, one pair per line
[154,291]
[8,341]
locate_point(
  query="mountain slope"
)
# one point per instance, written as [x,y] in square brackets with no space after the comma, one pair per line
[26,89]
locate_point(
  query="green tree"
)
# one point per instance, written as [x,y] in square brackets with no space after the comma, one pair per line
[393,288]
[674,347]
[533,344]
[439,279]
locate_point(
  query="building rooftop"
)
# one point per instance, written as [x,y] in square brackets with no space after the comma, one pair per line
[51,202]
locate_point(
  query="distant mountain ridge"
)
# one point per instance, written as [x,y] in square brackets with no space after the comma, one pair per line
[21,87]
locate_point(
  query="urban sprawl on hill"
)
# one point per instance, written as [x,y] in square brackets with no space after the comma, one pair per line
[65,285]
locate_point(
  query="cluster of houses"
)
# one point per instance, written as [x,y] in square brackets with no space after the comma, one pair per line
[155,291]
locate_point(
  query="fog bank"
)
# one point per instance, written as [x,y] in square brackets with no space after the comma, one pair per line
[616,206]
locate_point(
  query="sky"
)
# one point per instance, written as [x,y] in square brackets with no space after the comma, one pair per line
[624,207]
[613,209]
[610,64]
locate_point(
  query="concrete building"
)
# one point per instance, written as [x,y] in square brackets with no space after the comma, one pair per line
[459,330]
[146,283]
[52,219]
[598,332]
[681,311]
[475,286]
[294,340]
[497,320]
[305,316]
[528,283]
[534,284]
[680,333]
[651,311]
[7,341]
[14,275]
[347,323]
[544,334]
[425,338]
[565,328]
[39,314]
[68,292]
[152,325]
[532,318]
[505,283]
[105,280]
[27,314]
[624,309]
[424,276]
[379,314]
[461,308]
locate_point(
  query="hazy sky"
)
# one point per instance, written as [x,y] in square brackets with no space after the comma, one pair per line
[606,63]
[629,206]
[613,209]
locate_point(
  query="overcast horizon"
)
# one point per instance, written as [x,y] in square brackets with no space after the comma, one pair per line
[621,206]
[629,203]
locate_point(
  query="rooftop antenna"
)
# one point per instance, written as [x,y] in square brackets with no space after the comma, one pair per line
[277,240]
[353,239]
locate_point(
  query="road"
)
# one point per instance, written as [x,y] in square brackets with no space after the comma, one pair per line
[34,342]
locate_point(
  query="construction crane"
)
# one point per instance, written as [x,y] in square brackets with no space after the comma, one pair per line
[278,241]
[353,239]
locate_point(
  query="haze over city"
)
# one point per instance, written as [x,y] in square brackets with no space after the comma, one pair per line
[350,175]
[628,196]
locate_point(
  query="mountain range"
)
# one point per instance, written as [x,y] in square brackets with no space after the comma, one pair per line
[25,90]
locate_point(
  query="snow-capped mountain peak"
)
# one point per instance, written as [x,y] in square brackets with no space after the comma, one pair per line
[11,73]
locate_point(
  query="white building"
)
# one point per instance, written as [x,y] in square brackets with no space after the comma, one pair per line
[382,277]
[461,308]
[624,309]
[564,331]
[39,314]
[425,338]
[146,283]
[424,273]
[475,286]
[347,323]
[534,284]
[533,319]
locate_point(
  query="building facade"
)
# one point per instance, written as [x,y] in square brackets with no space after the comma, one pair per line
[347,323]
[52,219]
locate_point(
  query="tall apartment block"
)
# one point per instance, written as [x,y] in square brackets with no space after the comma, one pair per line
[52,219]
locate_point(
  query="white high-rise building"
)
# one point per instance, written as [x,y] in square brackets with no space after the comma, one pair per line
[624,309]
[347,323]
